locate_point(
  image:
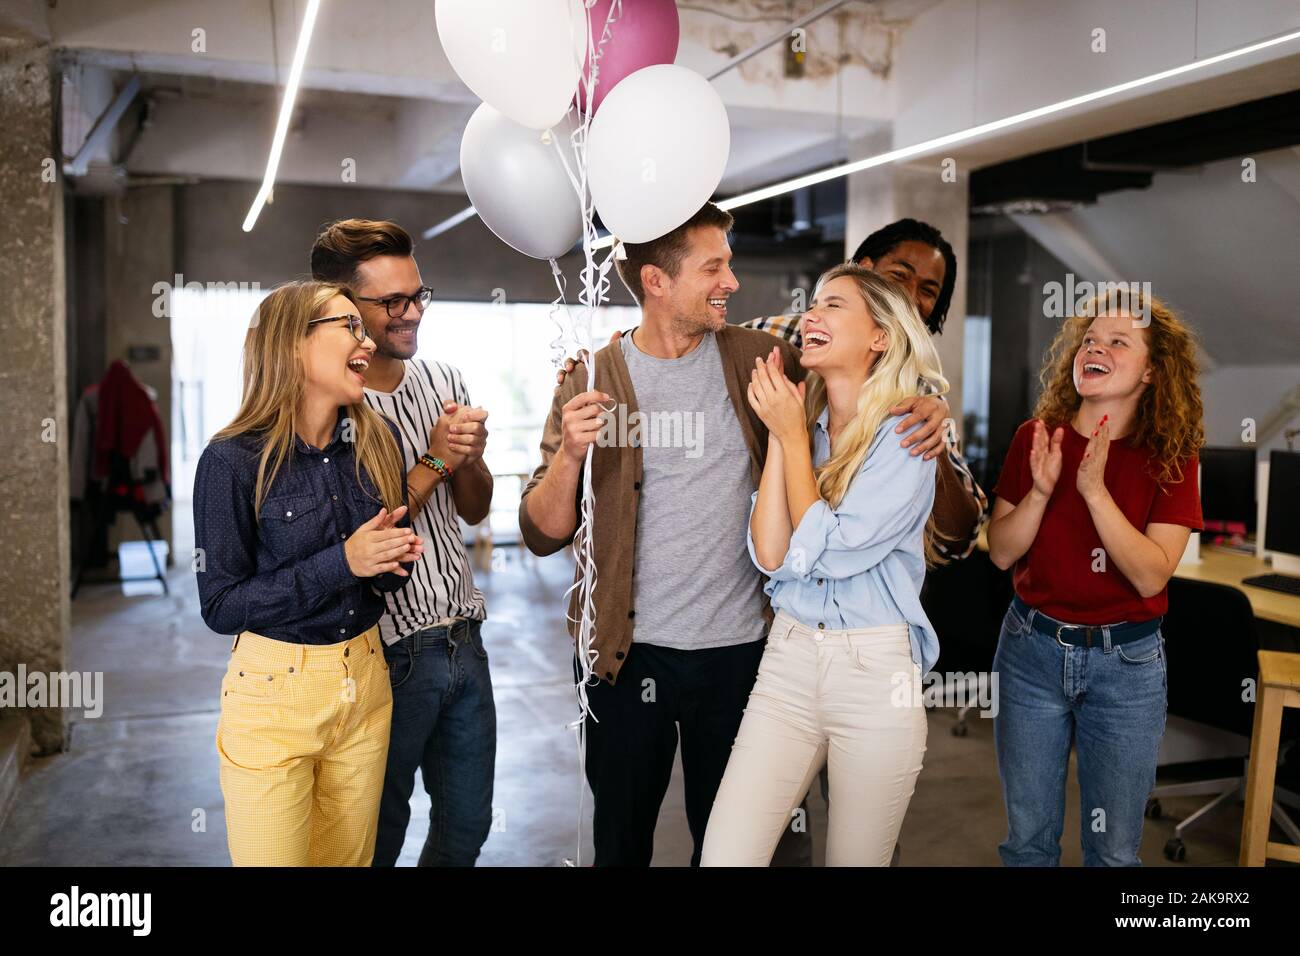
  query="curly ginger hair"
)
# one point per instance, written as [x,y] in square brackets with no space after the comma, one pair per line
[1168,423]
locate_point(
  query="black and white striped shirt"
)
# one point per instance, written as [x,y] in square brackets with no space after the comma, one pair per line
[441,585]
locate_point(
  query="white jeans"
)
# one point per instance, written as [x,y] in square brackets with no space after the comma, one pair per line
[849,699]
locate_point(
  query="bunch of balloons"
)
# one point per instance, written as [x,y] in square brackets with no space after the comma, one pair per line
[656,134]
[584,113]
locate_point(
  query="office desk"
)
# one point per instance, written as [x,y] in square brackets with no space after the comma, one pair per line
[1225,567]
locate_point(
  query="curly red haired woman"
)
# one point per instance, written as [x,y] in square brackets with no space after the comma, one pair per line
[1096,501]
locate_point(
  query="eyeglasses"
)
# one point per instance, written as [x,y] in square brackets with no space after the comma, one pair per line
[396,305]
[355,325]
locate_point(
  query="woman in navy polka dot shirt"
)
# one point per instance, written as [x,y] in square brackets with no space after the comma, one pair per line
[300,523]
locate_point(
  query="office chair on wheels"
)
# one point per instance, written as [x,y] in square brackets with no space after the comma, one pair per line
[1211,646]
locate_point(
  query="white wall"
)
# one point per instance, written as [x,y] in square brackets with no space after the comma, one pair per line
[1235,392]
[966,62]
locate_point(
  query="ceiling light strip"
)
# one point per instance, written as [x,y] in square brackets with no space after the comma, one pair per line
[286,112]
[952,139]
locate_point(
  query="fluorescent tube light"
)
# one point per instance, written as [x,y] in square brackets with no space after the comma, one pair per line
[286,112]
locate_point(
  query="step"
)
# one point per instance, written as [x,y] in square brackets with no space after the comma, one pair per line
[15,746]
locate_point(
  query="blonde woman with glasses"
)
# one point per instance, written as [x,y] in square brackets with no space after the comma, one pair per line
[299,515]
[838,525]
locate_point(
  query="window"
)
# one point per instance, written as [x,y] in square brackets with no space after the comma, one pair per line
[975,391]
[505,351]
[208,329]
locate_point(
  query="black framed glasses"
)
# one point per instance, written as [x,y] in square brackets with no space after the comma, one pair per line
[355,325]
[396,305]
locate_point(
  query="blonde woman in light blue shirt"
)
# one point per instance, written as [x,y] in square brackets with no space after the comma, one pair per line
[838,525]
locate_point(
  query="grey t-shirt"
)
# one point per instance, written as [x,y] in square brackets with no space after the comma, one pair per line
[694,585]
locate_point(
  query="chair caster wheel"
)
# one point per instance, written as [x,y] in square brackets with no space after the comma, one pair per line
[1175,850]
[1153,809]
[959,729]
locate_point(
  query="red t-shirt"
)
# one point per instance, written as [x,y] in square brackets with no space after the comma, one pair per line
[1056,574]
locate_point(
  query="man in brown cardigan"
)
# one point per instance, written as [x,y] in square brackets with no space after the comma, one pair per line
[680,610]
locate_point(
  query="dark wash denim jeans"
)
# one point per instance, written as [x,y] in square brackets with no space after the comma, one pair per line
[1109,701]
[444,724]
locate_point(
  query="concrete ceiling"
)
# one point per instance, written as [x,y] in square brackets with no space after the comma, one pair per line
[378,89]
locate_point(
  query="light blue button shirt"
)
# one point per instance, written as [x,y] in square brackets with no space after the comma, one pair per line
[862,564]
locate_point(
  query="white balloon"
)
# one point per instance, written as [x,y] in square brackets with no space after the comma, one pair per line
[518,185]
[522,56]
[657,149]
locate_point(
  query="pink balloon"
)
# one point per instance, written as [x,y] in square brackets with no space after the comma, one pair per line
[645,34]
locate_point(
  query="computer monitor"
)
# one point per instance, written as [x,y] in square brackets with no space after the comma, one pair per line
[1282,519]
[1228,489]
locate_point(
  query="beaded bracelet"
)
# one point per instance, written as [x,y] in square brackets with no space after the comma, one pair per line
[438,465]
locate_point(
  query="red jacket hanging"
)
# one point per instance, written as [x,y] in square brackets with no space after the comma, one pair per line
[126,415]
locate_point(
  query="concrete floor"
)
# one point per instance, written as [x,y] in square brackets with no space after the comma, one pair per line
[139,785]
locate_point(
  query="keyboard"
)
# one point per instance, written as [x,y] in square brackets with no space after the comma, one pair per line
[1275,582]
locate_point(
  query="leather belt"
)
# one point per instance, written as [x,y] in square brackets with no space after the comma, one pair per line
[1085,635]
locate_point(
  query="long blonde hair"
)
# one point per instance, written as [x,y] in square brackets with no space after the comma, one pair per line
[274,382]
[909,365]
[1168,424]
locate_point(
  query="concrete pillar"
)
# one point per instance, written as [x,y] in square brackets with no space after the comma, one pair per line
[34,543]
[878,196]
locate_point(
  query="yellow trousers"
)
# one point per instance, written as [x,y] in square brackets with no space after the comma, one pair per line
[303,744]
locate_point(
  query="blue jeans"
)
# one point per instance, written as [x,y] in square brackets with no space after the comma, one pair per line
[445,724]
[1109,701]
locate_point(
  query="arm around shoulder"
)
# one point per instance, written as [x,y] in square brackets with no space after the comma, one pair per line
[957,511]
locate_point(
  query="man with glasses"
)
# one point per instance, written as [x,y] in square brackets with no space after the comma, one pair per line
[444,717]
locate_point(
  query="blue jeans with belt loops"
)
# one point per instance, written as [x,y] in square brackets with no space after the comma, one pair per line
[1109,702]
[444,726]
